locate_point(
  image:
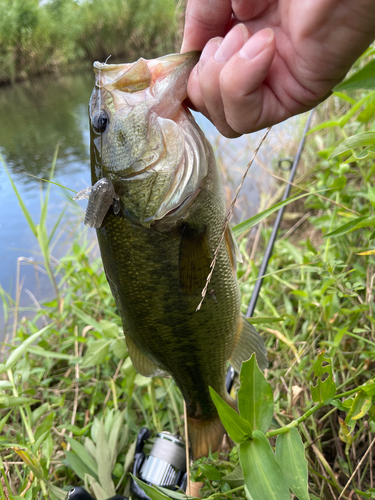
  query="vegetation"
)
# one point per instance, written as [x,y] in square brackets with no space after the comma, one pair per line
[69,390]
[56,35]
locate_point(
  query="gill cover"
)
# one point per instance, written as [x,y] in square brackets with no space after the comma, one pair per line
[143,139]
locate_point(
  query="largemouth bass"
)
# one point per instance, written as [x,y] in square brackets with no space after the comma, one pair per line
[158,205]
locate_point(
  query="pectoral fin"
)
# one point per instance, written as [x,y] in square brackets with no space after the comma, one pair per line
[141,363]
[195,259]
[248,341]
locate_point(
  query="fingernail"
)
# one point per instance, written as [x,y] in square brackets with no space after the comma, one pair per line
[256,44]
[232,43]
[209,50]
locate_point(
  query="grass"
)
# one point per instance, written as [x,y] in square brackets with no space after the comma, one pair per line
[69,389]
[61,35]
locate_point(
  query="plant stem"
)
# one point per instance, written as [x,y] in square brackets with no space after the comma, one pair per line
[227,493]
[296,422]
[353,391]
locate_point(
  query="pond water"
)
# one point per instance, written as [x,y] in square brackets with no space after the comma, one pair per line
[38,115]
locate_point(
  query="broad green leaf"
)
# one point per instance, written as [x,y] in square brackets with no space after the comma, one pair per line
[346,228]
[84,455]
[173,494]
[5,384]
[234,478]
[355,141]
[361,405]
[290,455]
[236,426]
[339,183]
[44,426]
[3,421]
[249,223]
[99,492]
[9,401]
[369,389]
[362,79]
[38,412]
[104,461]
[109,329]
[113,438]
[55,490]
[255,398]
[47,448]
[210,472]
[96,353]
[152,492]
[263,476]
[39,351]
[22,348]
[119,348]
[78,465]
[86,318]
[77,431]
[323,391]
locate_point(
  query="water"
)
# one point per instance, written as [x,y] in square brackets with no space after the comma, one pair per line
[37,116]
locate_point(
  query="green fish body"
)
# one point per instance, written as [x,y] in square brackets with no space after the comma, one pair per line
[158,205]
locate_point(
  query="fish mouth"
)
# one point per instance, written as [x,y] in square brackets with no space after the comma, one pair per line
[151,146]
[156,77]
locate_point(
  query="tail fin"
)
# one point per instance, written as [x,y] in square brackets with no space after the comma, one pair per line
[207,435]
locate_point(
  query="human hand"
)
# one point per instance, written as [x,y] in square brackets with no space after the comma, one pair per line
[264,61]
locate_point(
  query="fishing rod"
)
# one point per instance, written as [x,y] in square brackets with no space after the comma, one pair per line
[165,465]
[276,226]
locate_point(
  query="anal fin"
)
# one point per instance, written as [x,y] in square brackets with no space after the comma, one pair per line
[248,341]
[141,363]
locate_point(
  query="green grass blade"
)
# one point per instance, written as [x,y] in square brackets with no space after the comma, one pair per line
[43,215]
[253,221]
[56,226]
[26,213]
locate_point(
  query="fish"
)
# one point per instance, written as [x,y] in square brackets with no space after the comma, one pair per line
[157,203]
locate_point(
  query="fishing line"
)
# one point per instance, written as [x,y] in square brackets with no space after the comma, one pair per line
[228,217]
[275,229]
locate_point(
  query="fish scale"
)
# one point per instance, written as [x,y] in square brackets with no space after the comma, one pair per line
[159,237]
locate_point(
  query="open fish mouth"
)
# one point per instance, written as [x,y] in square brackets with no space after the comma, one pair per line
[143,139]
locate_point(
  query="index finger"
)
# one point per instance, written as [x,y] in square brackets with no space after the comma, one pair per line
[205,19]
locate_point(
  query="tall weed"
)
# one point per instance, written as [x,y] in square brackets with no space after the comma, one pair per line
[60,34]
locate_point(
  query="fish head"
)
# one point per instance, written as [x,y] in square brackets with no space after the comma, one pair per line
[143,138]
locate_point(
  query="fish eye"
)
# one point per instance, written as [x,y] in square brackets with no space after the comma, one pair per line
[99,121]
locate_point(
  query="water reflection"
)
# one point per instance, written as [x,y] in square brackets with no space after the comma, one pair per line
[38,115]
